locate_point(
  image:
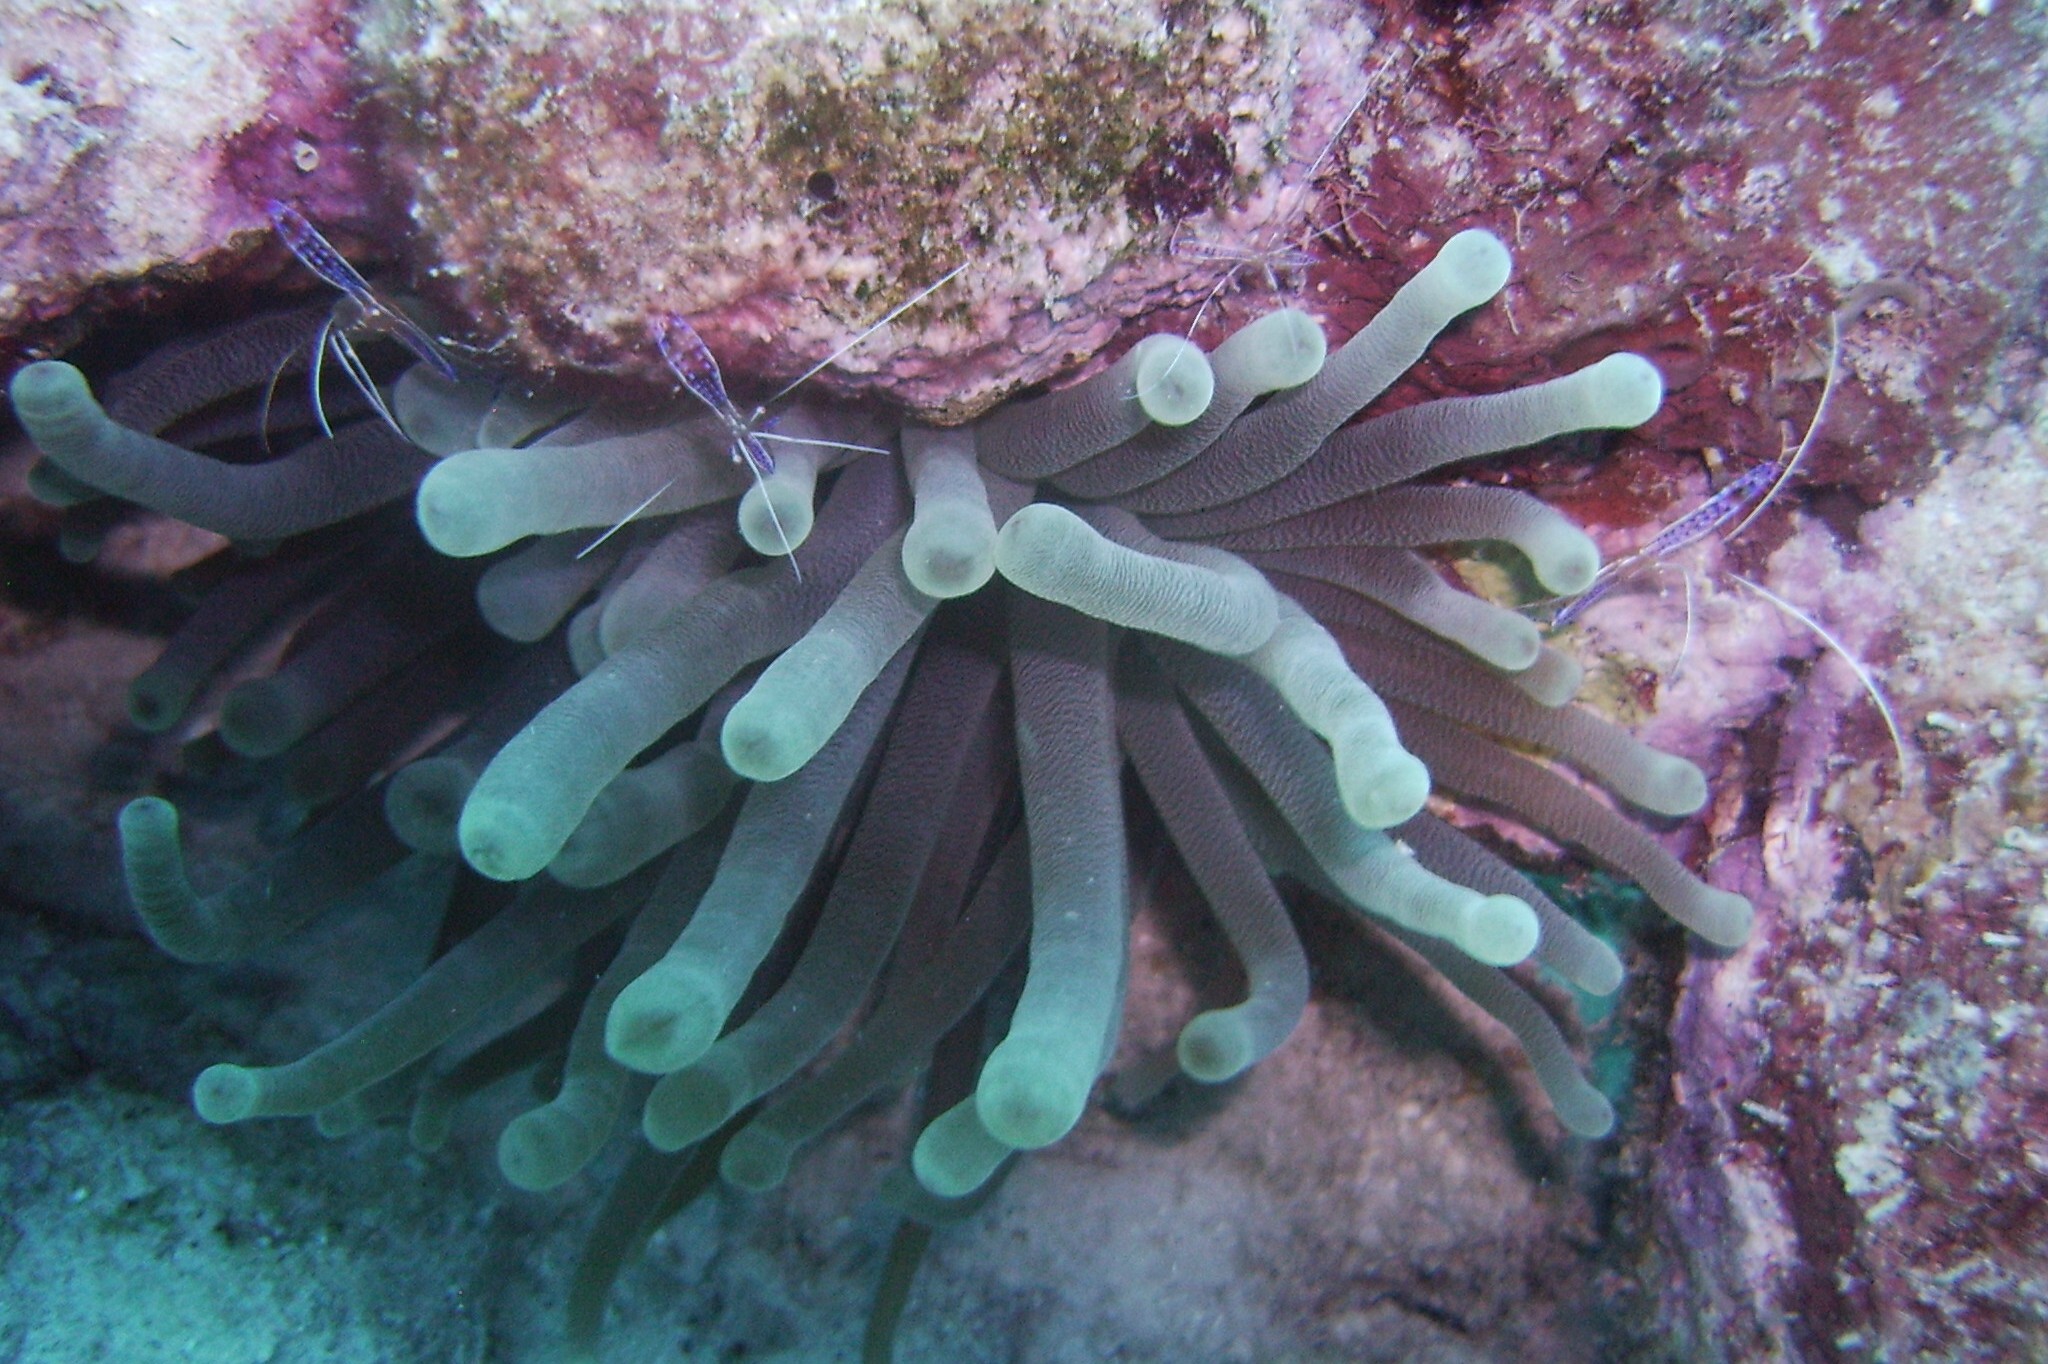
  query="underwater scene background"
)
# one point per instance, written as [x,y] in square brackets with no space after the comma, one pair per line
[1044,839]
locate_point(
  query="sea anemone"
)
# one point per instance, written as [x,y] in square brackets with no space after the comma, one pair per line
[784,808]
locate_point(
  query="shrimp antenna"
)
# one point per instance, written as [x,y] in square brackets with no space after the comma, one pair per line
[1315,167]
[319,358]
[775,519]
[1870,687]
[625,520]
[823,444]
[920,296]
[263,407]
[1840,320]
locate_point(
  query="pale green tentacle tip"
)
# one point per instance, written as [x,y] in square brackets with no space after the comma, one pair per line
[754,1160]
[782,721]
[261,718]
[148,824]
[1025,1103]
[1723,918]
[954,1156]
[760,746]
[1173,382]
[689,1106]
[1289,347]
[1382,786]
[1672,786]
[534,1150]
[1510,643]
[949,554]
[48,389]
[1215,1046]
[1623,390]
[500,840]
[1565,559]
[226,1093]
[153,867]
[154,706]
[1553,679]
[1600,973]
[663,1020]
[1498,930]
[775,518]
[1584,1110]
[456,519]
[1471,267]
[439,416]
[423,803]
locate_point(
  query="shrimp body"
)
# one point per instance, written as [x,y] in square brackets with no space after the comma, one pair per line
[363,309]
[691,361]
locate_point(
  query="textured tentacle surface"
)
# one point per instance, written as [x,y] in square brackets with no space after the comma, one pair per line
[787,879]
[1036,1083]
[319,484]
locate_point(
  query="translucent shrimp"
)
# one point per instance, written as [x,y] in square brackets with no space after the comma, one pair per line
[691,361]
[1757,488]
[1702,521]
[358,309]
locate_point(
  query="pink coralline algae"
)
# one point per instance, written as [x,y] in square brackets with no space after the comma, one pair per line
[1702,179]
[782,177]
[1847,1162]
[138,144]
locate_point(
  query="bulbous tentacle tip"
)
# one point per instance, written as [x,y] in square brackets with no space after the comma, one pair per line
[225,1093]
[153,866]
[499,840]
[1729,920]
[529,1151]
[47,388]
[1585,1112]
[261,718]
[1601,974]
[754,1161]
[1474,264]
[450,515]
[1023,1103]
[690,1105]
[1568,561]
[1382,787]
[1673,786]
[1174,381]
[1215,1046]
[1292,348]
[663,1020]
[147,818]
[1626,389]
[1499,930]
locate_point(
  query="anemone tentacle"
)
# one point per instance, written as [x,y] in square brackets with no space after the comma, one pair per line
[852,801]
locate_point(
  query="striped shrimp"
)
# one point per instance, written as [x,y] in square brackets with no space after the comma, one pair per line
[358,309]
[1702,521]
[687,357]
[1755,489]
